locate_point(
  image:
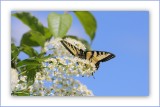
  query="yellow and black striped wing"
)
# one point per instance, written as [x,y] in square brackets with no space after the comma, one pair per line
[98,56]
[72,49]
[93,56]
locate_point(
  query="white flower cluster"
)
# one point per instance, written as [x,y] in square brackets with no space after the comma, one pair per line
[38,88]
[65,66]
[71,66]
[69,87]
[55,47]
[66,61]
[57,77]
[49,83]
[14,78]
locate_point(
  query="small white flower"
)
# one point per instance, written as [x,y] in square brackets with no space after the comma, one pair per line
[23,78]
[14,78]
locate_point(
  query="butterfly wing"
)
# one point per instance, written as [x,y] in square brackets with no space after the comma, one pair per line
[73,50]
[98,56]
[93,56]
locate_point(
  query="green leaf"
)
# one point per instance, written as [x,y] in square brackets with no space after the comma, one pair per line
[88,21]
[29,50]
[33,38]
[14,51]
[31,73]
[59,24]
[41,59]
[31,21]
[23,71]
[29,67]
[20,82]
[14,55]
[48,34]
[88,47]
[21,93]
[27,62]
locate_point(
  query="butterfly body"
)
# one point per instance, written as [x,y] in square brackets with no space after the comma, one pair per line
[94,57]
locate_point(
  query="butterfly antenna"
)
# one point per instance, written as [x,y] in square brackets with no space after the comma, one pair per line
[93,75]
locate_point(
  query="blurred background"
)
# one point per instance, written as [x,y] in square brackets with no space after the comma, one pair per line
[123,33]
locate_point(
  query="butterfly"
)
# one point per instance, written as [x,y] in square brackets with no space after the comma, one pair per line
[94,57]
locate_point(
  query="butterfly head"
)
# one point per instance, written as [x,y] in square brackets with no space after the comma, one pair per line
[81,54]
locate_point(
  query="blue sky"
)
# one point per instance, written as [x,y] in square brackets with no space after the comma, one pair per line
[124,33]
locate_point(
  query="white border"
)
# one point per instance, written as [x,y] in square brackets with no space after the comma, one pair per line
[151,6]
